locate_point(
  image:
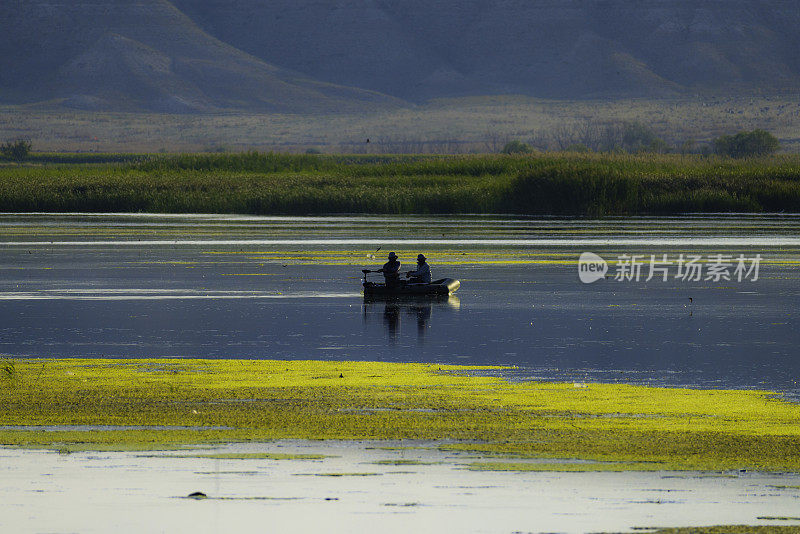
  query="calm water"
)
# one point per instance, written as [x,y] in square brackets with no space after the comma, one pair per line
[43,491]
[288,287]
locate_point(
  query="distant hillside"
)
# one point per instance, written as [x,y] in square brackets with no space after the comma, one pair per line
[145,55]
[418,49]
[347,55]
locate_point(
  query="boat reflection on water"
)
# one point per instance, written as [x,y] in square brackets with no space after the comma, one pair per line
[408,310]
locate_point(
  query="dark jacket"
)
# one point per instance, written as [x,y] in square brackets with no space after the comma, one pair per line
[391,271]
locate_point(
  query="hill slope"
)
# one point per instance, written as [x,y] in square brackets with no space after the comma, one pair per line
[145,55]
[310,55]
[551,48]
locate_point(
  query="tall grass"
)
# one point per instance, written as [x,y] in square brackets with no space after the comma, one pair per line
[658,184]
[259,183]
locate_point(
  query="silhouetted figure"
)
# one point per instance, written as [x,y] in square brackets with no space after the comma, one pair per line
[423,273]
[391,271]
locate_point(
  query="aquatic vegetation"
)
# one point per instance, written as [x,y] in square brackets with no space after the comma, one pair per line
[439,256]
[442,256]
[259,183]
[400,448]
[565,467]
[404,462]
[253,456]
[366,474]
[726,529]
[259,400]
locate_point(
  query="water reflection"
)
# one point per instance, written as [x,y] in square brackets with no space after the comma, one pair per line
[410,310]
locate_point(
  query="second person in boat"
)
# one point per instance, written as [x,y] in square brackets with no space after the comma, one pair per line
[423,273]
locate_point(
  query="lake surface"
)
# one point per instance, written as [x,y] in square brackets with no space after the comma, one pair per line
[360,486]
[211,286]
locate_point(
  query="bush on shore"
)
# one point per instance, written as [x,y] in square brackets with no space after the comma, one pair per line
[747,144]
[516,147]
[16,149]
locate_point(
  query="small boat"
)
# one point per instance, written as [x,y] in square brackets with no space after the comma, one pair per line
[444,286]
[441,287]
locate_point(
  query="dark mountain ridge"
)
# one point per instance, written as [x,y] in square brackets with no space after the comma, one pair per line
[145,55]
[418,49]
[347,55]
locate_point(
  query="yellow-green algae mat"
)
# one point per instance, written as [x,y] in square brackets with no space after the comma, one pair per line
[725,529]
[630,427]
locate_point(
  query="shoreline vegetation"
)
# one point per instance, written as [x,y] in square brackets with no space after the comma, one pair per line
[272,184]
[160,404]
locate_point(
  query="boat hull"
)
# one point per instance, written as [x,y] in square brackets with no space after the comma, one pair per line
[442,287]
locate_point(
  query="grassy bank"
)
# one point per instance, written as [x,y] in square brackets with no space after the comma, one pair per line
[633,427]
[253,183]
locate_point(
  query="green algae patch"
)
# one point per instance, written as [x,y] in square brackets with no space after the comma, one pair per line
[442,256]
[202,402]
[726,529]
[253,456]
[405,462]
[367,474]
[390,448]
[565,467]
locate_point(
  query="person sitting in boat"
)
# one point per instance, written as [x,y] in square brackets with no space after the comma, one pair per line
[391,271]
[423,273]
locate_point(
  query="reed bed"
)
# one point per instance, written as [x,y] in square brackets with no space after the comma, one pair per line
[268,183]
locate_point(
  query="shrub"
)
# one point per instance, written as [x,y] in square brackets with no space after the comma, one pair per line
[517,147]
[17,149]
[746,144]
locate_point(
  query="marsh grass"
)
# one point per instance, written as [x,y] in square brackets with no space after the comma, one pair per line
[601,185]
[267,183]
